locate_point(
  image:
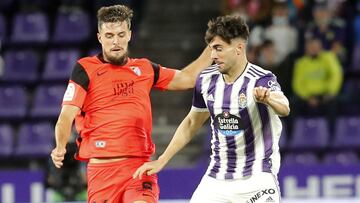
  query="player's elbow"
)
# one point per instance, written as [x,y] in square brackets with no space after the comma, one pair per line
[190,82]
[188,79]
[285,111]
[182,81]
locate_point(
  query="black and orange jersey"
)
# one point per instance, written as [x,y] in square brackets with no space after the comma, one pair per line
[115,118]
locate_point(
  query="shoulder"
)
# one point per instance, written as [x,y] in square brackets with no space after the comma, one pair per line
[256,72]
[209,71]
[90,65]
[143,61]
[88,61]
[327,54]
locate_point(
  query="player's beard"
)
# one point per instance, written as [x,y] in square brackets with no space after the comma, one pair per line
[117,60]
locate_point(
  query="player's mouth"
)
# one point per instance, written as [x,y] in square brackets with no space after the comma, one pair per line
[116,49]
[219,64]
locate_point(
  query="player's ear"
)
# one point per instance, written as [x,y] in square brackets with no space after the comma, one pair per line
[240,47]
[99,38]
[129,37]
[237,50]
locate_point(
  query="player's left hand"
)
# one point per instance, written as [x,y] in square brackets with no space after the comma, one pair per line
[58,156]
[262,94]
[149,168]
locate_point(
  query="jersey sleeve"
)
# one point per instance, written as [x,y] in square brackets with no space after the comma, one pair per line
[76,90]
[269,81]
[198,103]
[162,76]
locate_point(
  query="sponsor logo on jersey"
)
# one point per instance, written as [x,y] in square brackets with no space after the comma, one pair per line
[123,88]
[228,124]
[273,85]
[269,199]
[261,193]
[101,72]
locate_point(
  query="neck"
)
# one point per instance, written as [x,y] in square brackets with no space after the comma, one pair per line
[236,71]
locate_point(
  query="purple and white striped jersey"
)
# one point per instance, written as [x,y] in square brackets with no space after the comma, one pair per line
[245,134]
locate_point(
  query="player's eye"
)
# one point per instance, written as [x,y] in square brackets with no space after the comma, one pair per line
[218,49]
[109,36]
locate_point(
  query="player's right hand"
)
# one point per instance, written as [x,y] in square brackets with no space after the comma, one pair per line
[149,168]
[57,156]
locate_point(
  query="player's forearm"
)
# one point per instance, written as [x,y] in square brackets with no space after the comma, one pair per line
[279,103]
[182,137]
[62,132]
[194,68]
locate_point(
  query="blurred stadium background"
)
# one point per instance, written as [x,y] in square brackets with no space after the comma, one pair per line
[41,40]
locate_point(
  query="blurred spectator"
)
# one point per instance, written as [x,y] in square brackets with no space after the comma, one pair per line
[280,32]
[330,30]
[283,70]
[252,11]
[253,54]
[317,80]
[1,66]
[356,25]
[1,63]
[355,61]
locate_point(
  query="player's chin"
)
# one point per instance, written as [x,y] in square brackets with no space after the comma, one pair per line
[117,54]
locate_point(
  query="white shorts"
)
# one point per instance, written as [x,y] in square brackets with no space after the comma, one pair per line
[259,188]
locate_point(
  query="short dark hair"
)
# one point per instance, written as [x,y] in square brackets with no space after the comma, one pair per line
[113,14]
[227,27]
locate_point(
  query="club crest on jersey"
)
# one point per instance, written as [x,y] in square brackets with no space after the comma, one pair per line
[242,100]
[136,70]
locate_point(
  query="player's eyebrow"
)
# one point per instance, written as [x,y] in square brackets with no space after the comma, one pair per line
[216,46]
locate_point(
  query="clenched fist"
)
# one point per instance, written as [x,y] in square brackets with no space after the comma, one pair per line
[262,94]
[57,156]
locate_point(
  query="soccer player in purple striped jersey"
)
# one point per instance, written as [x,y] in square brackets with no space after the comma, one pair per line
[244,103]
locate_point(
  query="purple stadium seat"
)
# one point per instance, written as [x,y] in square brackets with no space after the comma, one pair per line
[59,64]
[343,158]
[47,101]
[12,102]
[351,87]
[6,139]
[2,29]
[72,27]
[310,133]
[306,159]
[347,133]
[21,66]
[30,28]
[35,139]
